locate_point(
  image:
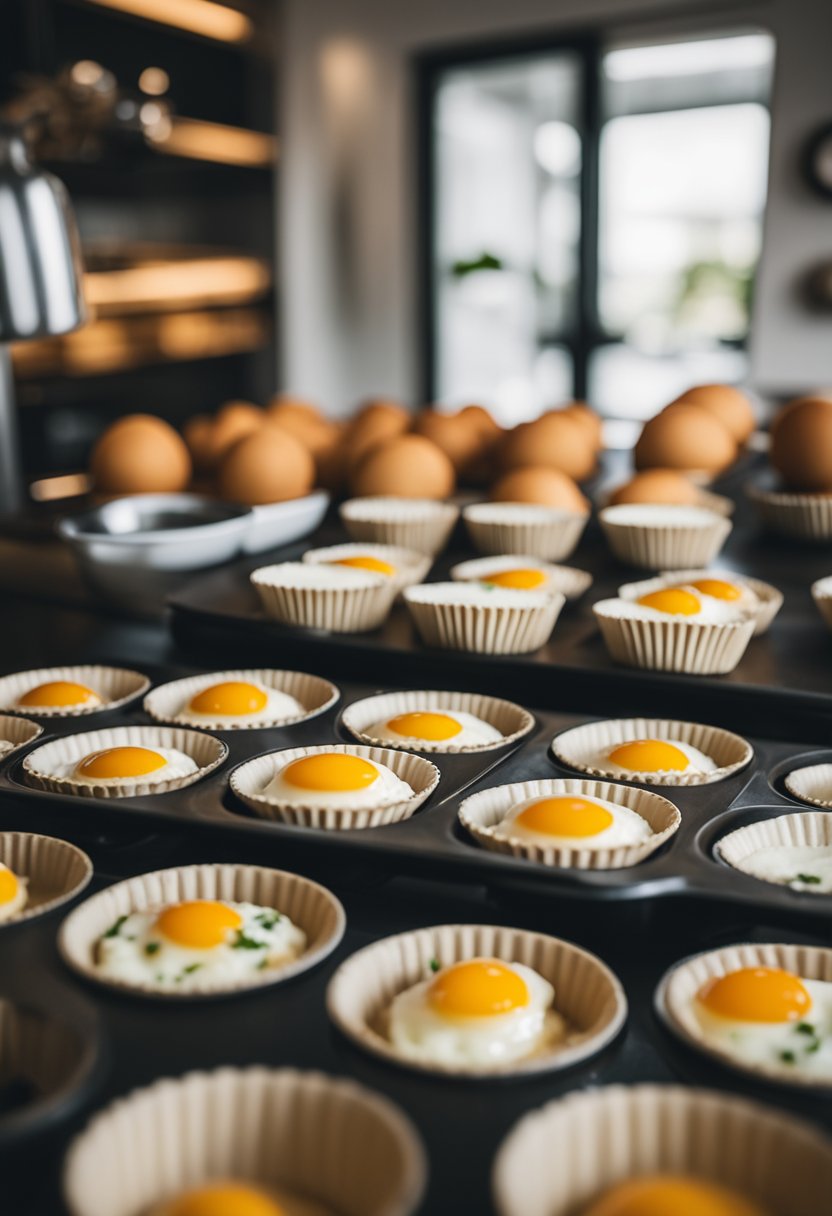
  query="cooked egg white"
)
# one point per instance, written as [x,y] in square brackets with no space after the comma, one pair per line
[123,765]
[685,604]
[198,943]
[440,729]
[59,696]
[769,1017]
[239,703]
[336,779]
[226,1197]
[13,893]
[571,821]
[801,867]
[665,756]
[479,1012]
[721,588]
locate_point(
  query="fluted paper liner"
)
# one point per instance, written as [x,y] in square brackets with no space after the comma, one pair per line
[115,685]
[664,538]
[559,1158]
[206,751]
[677,991]
[811,784]
[695,647]
[338,609]
[311,907]
[564,580]
[822,595]
[480,813]
[587,994]
[315,695]
[802,516]
[410,523]
[323,1138]
[18,732]
[544,532]
[41,1050]
[580,746]
[249,780]
[804,829]
[705,499]
[770,599]
[512,721]
[55,871]
[485,622]
[411,565]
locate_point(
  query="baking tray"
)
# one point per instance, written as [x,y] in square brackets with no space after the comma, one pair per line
[431,843]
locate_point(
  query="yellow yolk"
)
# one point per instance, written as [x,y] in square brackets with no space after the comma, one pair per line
[367,563]
[521,579]
[757,994]
[673,600]
[434,727]
[480,988]
[649,756]
[57,693]
[121,762]
[224,1199]
[230,698]
[718,588]
[565,816]
[331,771]
[666,1195]
[8,885]
[199,924]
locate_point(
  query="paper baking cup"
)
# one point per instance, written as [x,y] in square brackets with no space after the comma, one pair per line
[512,721]
[315,695]
[55,871]
[311,907]
[115,685]
[694,647]
[811,784]
[411,565]
[18,732]
[480,813]
[461,616]
[250,779]
[770,599]
[803,516]
[409,523]
[206,751]
[47,1055]
[664,538]
[514,527]
[677,991]
[804,829]
[587,993]
[705,498]
[563,580]
[558,1159]
[363,604]
[822,595]
[325,1139]
[581,746]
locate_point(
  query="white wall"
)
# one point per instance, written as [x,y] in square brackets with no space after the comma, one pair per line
[347,215]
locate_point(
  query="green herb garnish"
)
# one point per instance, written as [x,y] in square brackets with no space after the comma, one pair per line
[246,943]
[434,965]
[267,919]
[788,1057]
[805,1028]
[809,879]
[189,970]
[263,964]
[153,947]
[115,928]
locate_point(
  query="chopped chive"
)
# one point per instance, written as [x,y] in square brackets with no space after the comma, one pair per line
[813,1047]
[788,1057]
[434,965]
[808,878]
[263,964]
[805,1028]
[267,919]
[153,947]
[115,928]
[246,943]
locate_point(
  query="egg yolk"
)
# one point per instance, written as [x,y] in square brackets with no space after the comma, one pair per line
[718,589]
[331,771]
[231,698]
[649,756]
[224,1199]
[8,885]
[200,924]
[375,564]
[480,988]
[757,994]
[666,1195]
[673,600]
[121,762]
[521,579]
[58,693]
[434,727]
[565,816]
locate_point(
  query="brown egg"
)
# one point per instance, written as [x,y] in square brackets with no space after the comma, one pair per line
[461,442]
[685,437]
[408,466]
[657,486]
[801,444]
[543,486]
[580,412]
[330,466]
[233,422]
[375,422]
[269,465]
[140,454]
[479,417]
[552,440]
[728,404]
[198,433]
